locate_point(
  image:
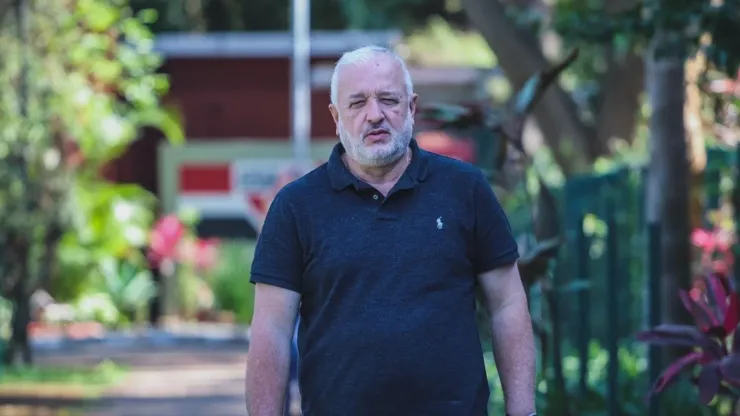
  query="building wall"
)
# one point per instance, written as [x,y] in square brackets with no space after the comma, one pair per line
[224,99]
[228,98]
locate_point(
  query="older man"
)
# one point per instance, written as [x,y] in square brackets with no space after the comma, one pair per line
[383,248]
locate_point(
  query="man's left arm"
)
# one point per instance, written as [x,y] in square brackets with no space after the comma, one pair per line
[496,253]
[513,341]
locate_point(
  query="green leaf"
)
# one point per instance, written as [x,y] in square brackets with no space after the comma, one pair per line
[98,15]
[524,98]
[165,120]
[148,16]
[574,286]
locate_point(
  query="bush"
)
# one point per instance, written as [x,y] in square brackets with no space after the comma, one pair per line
[230,281]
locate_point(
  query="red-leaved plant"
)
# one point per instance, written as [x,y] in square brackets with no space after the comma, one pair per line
[714,338]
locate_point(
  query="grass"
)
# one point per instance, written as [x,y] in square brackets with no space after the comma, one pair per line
[67,382]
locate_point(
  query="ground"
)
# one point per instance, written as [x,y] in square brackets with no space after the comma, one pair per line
[182,380]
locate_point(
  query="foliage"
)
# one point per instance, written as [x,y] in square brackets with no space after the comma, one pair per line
[97,307]
[438,43]
[229,281]
[110,220]
[715,341]
[80,81]
[593,402]
[716,250]
[267,15]
[688,26]
[183,259]
[173,243]
[130,288]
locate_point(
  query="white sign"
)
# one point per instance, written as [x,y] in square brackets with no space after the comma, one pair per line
[257,181]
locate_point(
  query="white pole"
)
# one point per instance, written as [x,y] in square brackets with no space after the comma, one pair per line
[301,84]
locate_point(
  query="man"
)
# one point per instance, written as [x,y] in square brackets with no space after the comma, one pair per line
[383,248]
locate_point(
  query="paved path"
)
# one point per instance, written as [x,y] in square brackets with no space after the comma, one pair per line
[167,380]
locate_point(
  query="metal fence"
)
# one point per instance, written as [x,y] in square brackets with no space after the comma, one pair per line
[613,256]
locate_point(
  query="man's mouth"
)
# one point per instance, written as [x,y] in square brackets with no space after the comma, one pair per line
[377,134]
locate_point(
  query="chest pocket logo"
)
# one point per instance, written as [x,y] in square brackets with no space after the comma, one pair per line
[440,225]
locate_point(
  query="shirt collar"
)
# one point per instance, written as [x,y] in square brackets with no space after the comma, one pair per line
[341,177]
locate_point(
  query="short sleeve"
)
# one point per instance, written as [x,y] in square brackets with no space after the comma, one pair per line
[278,257]
[495,245]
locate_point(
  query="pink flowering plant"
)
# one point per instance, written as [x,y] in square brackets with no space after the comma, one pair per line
[715,246]
[185,260]
[173,244]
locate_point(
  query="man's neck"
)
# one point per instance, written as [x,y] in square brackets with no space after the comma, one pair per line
[380,176]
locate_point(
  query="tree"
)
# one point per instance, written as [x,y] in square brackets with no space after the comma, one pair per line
[80,79]
[669,32]
[519,54]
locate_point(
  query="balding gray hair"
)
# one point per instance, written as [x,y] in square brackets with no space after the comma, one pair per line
[362,55]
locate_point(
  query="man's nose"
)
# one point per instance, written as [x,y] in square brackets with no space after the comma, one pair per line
[374,113]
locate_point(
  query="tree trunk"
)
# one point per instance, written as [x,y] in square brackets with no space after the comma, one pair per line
[574,143]
[669,173]
[19,345]
[621,86]
[519,55]
[695,129]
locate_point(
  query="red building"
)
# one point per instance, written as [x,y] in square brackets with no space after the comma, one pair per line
[235,88]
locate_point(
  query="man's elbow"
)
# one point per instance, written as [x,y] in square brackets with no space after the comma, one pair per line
[513,302]
[269,342]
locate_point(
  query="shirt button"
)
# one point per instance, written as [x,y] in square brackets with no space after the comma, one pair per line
[375,197]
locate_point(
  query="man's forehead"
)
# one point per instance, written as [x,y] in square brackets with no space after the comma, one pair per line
[380,73]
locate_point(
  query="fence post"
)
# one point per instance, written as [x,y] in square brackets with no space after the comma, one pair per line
[736,209]
[654,305]
[584,328]
[712,178]
[612,302]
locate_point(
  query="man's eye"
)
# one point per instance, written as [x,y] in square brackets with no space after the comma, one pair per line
[355,104]
[389,101]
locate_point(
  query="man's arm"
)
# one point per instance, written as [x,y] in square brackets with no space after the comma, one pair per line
[277,270]
[513,340]
[268,359]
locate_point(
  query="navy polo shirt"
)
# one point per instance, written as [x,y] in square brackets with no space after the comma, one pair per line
[387,285]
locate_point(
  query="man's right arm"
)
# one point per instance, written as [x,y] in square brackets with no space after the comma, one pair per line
[277,271]
[268,359]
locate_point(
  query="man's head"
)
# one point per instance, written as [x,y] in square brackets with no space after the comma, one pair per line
[373,105]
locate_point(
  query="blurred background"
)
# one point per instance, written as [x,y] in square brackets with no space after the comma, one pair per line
[142,141]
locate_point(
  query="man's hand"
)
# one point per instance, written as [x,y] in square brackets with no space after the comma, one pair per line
[268,359]
[513,340]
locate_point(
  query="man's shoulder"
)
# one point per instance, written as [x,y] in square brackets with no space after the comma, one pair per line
[307,186]
[452,167]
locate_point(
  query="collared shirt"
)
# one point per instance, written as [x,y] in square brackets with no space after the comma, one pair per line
[387,285]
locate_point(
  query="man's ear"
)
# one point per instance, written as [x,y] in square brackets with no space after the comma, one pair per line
[335,115]
[412,104]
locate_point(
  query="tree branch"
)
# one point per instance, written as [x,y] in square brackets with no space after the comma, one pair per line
[572,142]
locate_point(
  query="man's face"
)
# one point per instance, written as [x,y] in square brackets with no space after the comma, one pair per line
[374,115]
